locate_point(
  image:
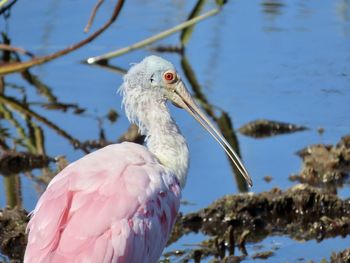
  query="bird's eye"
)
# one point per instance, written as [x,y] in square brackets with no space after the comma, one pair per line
[169,76]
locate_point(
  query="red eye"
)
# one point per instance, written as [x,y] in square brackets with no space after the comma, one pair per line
[169,76]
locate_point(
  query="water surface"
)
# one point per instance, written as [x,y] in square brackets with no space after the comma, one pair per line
[278,60]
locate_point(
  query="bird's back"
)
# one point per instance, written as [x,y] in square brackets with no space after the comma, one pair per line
[117,204]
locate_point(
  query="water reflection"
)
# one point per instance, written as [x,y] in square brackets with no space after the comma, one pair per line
[273,8]
[49,24]
[222,119]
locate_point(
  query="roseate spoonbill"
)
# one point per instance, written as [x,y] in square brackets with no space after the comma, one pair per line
[119,204]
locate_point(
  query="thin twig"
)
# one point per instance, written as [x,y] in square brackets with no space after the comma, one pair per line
[154,38]
[92,16]
[105,65]
[14,67]
[41,87]
[16,49]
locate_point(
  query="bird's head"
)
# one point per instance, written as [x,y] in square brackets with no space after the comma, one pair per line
[154,77]
[155,80]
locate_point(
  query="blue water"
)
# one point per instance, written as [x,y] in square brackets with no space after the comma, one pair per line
[290,65]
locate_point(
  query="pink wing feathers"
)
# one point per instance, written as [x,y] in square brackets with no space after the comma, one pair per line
[102,207]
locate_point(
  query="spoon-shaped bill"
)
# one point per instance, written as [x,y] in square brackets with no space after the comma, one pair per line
[182,98]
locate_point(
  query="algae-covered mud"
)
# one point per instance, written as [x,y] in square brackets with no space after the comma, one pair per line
[327,166]
[302,213]
[273,76]
[266,128]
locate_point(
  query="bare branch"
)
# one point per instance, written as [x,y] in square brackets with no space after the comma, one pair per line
[92,16]
[14,67]
[16,49]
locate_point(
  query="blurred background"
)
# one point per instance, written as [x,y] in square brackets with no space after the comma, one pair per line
[282,61]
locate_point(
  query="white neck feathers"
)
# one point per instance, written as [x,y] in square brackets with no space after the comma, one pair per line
[147,108]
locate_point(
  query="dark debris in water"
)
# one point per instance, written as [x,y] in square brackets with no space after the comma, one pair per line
[267,178]
[325,165]
[266,128]
[15,162]
[263,255]
[12,235]
[112,115]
